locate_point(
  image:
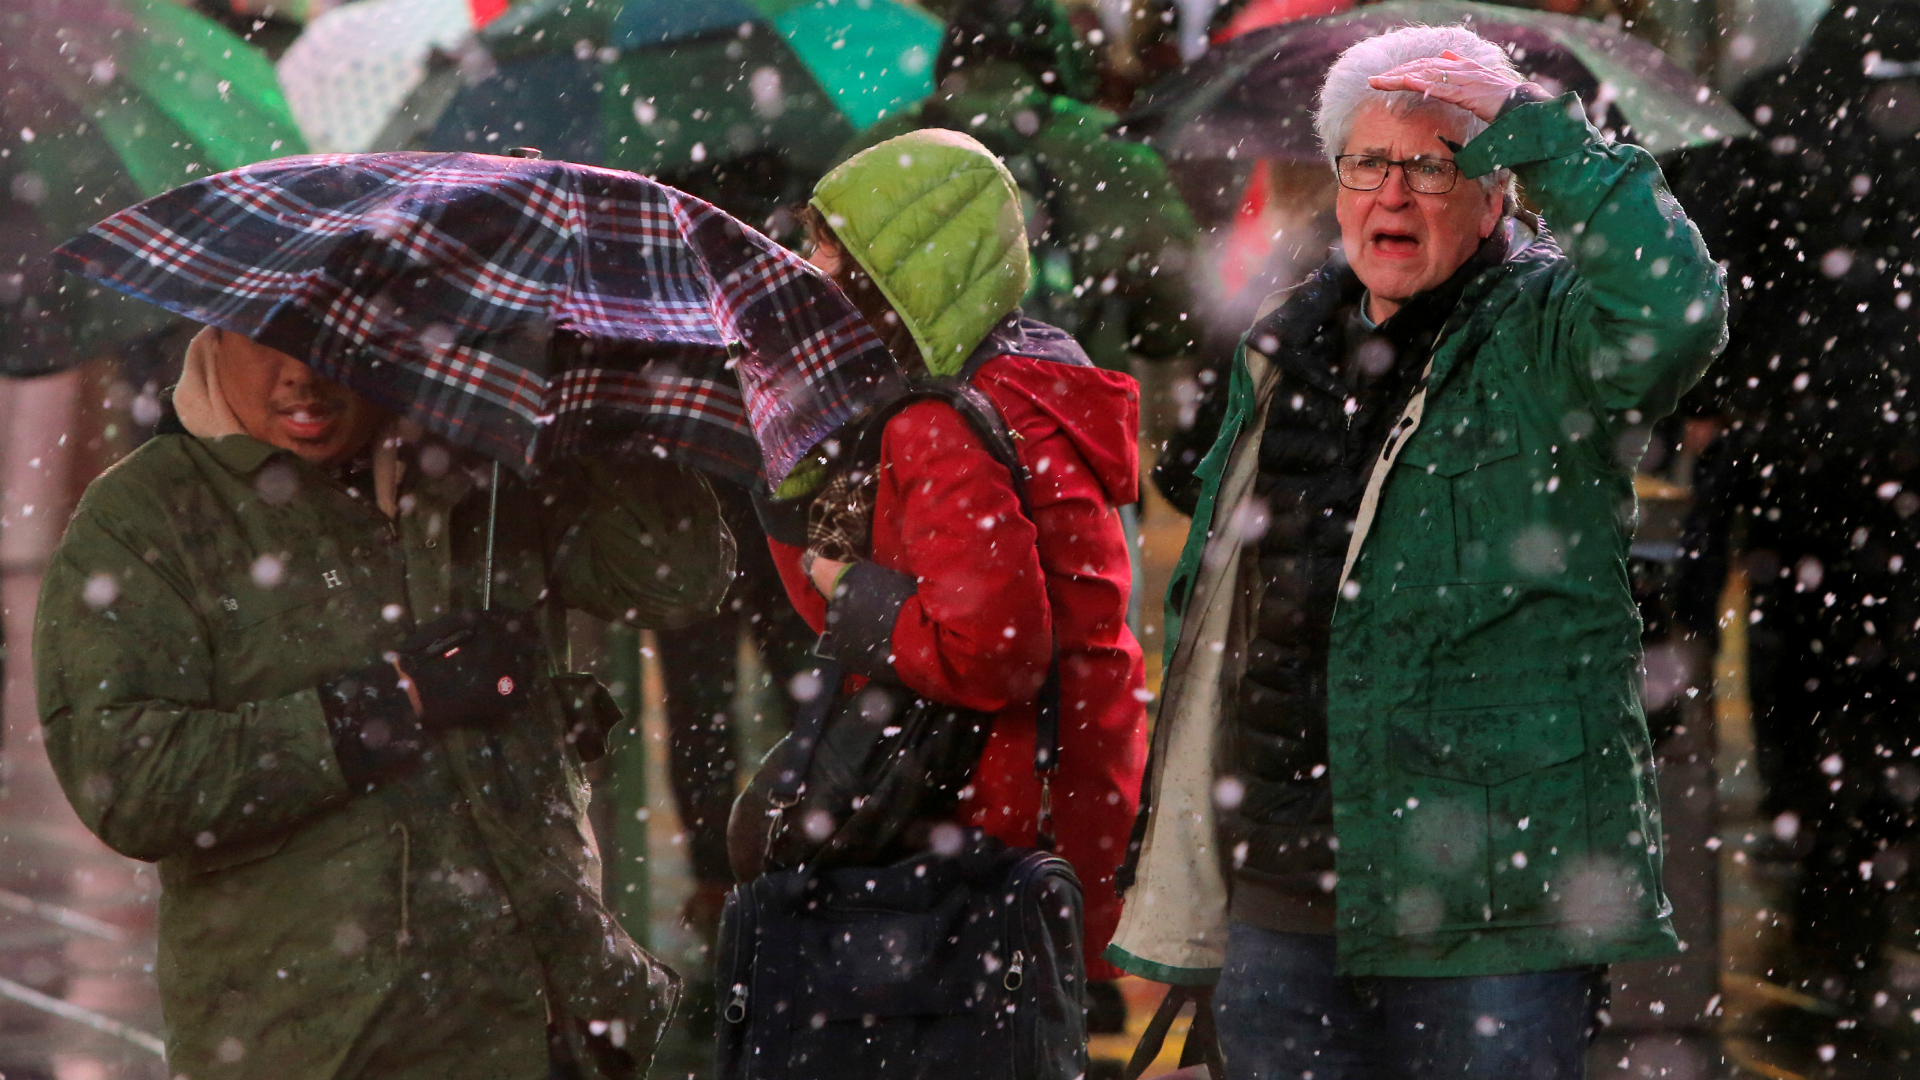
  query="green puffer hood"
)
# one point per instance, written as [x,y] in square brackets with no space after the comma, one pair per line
[935,219]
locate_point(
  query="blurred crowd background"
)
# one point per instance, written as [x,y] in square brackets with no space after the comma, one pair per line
[1774,509]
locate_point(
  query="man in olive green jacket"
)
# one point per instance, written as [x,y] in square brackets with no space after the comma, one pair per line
[1404,676]
[262,665]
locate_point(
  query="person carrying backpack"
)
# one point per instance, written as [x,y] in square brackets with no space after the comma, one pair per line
[960,596]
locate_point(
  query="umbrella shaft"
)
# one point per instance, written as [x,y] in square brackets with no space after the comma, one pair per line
[493,516]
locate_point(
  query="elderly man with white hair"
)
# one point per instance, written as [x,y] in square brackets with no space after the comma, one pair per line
[1402,805]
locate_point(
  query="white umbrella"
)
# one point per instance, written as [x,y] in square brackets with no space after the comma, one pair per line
[353,66]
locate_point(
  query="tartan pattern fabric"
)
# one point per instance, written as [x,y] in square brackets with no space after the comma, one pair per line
[525,309]
[840,521]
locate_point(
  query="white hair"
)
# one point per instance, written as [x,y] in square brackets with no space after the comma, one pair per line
[1346,92]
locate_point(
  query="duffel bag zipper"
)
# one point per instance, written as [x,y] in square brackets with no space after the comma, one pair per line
[743,967]
[1029,868]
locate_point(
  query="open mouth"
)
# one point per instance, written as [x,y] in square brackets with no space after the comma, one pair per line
[1395,244]
[312,421]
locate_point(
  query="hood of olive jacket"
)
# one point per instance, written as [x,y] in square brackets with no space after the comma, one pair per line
[935,220]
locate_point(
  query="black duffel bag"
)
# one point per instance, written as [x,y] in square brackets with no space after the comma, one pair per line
[961,967]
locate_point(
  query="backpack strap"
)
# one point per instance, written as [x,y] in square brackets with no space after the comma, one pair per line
[979,412]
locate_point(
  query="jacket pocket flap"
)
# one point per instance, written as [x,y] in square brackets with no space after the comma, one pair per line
[228,856]
[1488,746]
[1452,443]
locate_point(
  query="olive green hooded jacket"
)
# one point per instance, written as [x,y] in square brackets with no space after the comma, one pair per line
[1494,798]
[430,927]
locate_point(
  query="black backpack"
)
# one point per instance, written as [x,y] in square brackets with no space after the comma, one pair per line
[850,957]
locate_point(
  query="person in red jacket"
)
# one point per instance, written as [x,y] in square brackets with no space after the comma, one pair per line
[964,598]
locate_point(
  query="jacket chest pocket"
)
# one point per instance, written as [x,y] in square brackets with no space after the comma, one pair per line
[245,610]
[1490,814]
[1454,485]
[310,622]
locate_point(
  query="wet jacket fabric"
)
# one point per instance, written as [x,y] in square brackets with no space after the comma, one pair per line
[964,598]
[1111,239]
[433,925]
[1348,382]
[1493,796]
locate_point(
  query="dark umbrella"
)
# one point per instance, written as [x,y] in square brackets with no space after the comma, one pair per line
[103,102]
[746,102]
[525,309]
[1254,97]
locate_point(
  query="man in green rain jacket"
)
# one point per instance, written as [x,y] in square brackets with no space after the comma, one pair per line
[1402,802]
[1112,241]
[263,665]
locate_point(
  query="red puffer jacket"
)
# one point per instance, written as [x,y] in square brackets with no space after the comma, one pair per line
[964,595]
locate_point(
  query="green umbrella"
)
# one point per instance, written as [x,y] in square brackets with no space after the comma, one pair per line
[106,102]
[743,103]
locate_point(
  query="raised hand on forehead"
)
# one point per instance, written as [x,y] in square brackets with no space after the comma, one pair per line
[1454,79]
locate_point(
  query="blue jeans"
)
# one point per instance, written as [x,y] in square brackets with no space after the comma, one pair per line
[1284,1013]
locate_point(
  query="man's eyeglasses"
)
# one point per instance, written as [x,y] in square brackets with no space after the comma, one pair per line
[1426,175]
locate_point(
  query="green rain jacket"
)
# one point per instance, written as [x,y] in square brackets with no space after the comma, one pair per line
[432,926]
[1494,799]
[1112,241]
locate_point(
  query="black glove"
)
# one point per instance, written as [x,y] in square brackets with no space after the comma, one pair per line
[472,668]
[469,669]
[375,731]
[784,520]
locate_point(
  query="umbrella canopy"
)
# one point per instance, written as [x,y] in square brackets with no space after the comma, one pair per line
[1260,14]
[525,309]
[1254,96]
[352,67]
[103,102]
[683,89]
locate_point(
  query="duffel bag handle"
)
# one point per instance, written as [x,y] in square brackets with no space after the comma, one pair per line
[791,781]
[1202,1047]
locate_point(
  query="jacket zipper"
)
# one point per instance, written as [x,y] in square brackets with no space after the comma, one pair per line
[1401,430]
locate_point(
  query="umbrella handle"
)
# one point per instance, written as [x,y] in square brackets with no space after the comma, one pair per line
[493,515]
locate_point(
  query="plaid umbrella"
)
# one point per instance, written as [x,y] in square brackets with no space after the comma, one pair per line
[525,309]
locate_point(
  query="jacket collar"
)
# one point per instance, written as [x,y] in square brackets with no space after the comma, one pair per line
[1302,334]
[1017,335]
[244,455]
[1516,243]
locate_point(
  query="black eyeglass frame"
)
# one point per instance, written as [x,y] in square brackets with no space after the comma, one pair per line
[1453,169]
